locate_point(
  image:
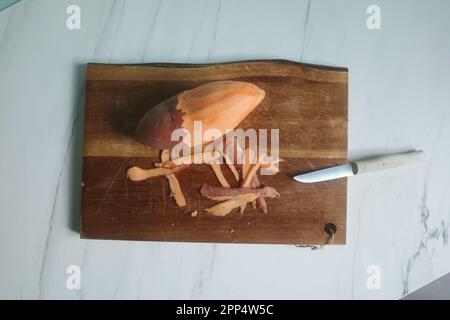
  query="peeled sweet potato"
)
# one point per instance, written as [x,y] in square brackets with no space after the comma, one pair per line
[219,105]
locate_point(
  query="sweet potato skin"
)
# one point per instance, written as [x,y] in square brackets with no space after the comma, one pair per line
[156,126]
[214,193]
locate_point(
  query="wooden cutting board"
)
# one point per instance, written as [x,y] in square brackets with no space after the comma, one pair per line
[307,103]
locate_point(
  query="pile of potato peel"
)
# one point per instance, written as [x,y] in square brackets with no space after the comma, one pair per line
[230,198]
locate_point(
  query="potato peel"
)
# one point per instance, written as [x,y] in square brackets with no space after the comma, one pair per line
[139,174]
[251,172]
[175,189]
[224,208]
[222,193]
[174,184]
[219,174]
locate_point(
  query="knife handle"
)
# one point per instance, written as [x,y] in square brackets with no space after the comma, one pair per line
[388,161]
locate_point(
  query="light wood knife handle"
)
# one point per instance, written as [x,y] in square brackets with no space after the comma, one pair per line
[388,161]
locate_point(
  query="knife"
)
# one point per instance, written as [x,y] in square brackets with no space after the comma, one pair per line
[362,166]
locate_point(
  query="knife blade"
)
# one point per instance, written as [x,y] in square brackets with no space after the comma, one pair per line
[362,166]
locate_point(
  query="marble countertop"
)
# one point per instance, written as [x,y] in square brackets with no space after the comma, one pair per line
[397,237]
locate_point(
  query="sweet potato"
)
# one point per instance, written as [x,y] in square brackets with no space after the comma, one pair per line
[219,105]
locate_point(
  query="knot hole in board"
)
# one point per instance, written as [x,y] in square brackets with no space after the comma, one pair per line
[330,229]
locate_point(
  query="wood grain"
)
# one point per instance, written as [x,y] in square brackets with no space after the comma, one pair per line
[307,103]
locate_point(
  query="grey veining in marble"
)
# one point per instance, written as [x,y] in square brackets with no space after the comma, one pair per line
[399,99]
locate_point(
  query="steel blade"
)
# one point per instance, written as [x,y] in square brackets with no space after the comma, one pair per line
[331,173]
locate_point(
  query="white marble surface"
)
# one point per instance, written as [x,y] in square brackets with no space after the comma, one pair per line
[398,99]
